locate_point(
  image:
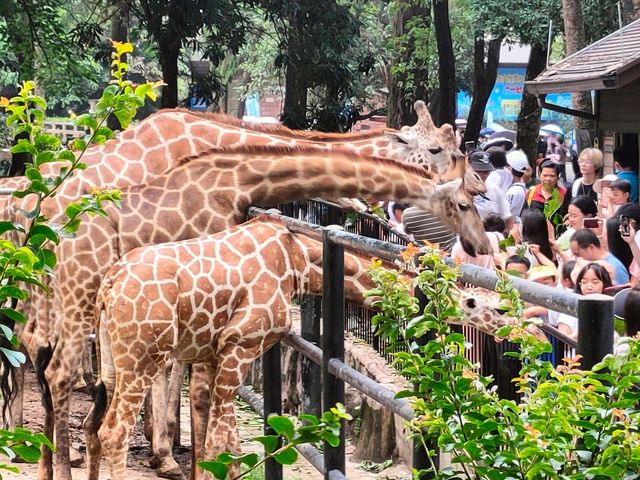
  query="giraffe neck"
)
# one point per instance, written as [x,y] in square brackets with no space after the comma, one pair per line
[226,183]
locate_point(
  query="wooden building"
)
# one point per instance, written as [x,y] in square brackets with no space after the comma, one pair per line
[610,68]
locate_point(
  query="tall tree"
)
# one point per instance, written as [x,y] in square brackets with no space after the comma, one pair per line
[486,57]
[446,113]
[529,118]
[215,28]
[575,41]
[409,72]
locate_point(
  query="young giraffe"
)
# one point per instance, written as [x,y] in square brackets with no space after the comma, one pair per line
[207,194]
[155,145]
[221,299]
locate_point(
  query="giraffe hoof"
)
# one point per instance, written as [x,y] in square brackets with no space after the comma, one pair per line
[170,469]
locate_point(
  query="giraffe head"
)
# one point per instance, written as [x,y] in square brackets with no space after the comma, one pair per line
[484,310]
[454,206]
[434,148]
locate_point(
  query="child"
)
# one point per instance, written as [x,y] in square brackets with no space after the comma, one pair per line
[517,266]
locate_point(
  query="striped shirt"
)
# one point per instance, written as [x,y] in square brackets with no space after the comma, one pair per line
[425,226]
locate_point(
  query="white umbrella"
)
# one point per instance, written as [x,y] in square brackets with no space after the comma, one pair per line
[552,128]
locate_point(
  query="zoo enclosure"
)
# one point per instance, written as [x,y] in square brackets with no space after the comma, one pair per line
[595,339]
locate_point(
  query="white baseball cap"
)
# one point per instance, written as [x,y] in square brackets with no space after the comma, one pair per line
[517,160]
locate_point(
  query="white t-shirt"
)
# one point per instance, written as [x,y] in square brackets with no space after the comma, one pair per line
[569,321]
[500,178]
[492,202]
[516,195]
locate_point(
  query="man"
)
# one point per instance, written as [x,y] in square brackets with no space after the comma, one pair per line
[626,161]
[424,226]
[500,177]
[493,201]
[585,244]
[548,195]
[516,194]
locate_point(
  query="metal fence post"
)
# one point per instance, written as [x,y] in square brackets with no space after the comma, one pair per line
[310,317]
[420,455]
[272,398]
[595,329]
[332,341]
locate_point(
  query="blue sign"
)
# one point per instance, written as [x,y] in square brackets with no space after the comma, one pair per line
[504,102]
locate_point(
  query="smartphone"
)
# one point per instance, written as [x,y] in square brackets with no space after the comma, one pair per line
[590,222]
[469,147]
[624,226]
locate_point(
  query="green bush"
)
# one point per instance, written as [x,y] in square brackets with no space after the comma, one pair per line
[570,423]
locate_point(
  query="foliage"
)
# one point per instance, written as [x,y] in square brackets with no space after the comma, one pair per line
[37,38]
[570,423]
[281,446]
[26,260]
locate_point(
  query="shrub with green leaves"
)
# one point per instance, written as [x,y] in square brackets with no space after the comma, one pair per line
[26,253]
[281,446]
[570,423]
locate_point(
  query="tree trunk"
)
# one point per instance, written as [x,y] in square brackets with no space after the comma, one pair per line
[484,79]
[169,52]
[446,113]
[294,113]
[630,11]
[529,119]
[401,97]
[119,33]
[575,41]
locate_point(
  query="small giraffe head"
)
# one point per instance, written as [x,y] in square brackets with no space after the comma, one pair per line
[484,310]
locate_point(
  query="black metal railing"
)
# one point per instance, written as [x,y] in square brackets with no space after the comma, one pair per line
[595,339]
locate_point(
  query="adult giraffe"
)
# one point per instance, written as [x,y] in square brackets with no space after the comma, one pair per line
[206,194]
[221,299]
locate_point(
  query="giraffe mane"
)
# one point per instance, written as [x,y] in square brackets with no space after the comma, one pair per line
[291,149]
[278,129]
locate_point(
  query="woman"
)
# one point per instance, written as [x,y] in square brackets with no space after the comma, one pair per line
[593,279]
[629,219]
[581,207]
[590,162]
[536,232]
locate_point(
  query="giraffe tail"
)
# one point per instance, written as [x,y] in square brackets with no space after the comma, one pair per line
[8,373]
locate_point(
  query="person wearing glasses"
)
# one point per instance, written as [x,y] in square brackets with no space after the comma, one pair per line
[590,162]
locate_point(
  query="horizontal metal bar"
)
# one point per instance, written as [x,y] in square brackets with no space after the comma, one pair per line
[545,327]
[7,190]
[377,248]
[313,455]
[336,475]
[372,389]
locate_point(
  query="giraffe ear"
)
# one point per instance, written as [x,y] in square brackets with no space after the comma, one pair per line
[402,139]
[448,188]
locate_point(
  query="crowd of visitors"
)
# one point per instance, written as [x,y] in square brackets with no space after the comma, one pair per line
[582,236]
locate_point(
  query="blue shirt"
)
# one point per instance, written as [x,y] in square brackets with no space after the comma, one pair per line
[632,178]
[622,275]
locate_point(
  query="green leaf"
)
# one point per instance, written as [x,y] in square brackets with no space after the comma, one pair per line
[13,315]
[218,469]
[45,231]
[282,426]
[270,442]
[11,291]
[7,226]
[15,358]
[28,453]
[288,456]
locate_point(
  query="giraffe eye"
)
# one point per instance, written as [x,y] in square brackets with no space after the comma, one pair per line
[464,207]
[470,302]
[435,151]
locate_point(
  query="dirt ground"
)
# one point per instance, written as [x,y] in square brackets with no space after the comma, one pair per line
[249,425]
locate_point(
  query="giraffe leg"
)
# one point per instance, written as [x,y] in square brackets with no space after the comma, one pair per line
[200,399]
[115,432]
[173,403]
[60,375]
[161,444]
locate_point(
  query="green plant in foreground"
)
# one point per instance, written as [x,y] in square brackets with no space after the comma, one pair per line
[25,252]
[570,423]
[281,446]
